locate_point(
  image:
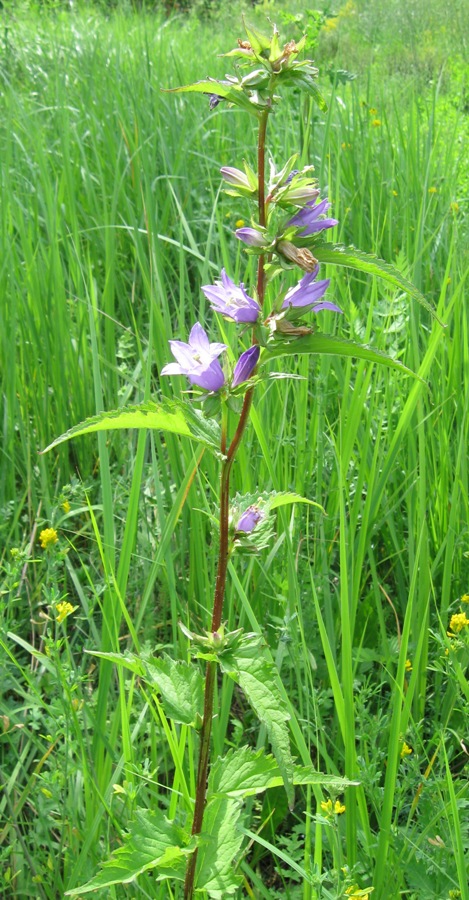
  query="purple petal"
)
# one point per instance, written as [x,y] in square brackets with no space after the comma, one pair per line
[251,237]
[231,301]
[246,364]
[183,353]
[172,369]
[305,296]
[249,519]
[198,338]
[326,304]
[309,218]
[210,378]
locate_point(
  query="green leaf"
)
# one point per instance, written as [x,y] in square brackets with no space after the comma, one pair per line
[180,684]
[245,772]
[168,415]
[153,842]
[255,674]
[286,497]
[335,346]
[305,82]
[227,90]
[220,842]
[338,255]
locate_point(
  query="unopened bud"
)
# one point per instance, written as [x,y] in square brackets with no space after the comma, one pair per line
[298,255]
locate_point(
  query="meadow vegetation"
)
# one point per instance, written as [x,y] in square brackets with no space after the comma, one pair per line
[111,219]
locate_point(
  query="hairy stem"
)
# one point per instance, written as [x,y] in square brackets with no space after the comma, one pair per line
[223,552]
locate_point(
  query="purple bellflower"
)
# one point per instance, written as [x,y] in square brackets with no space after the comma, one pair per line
[246,364]
[198,360]
[231,301]
[309,218]
[251,237]
[308,293]
[249,519]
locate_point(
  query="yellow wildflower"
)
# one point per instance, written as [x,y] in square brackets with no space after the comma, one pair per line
[372,111]
[406,750]
[457,623]
[395,194]
[63,610]
[48,538]
[465,598]
[454,207]
[433,190]
[355,892]
[326,807]
[339,808]
[331,23]
[66,506]
[239,223]
[376,123]
[408,665]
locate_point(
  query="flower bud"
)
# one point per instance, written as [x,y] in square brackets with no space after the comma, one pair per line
[249,519]
[236,177]
[246,364]
[251,237]
[300,256]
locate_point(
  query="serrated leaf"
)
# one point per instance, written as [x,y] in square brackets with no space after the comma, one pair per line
[220,842]
[335,346]
[179,683]
[227,90]
[168,415]
[339,255]
[246,772]
[153,842]
[181,686]
[305,82]
[255,674]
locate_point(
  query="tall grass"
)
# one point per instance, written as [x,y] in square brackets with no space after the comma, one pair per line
[111,219]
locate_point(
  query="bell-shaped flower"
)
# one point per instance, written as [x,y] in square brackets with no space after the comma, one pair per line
[236,177]
[252,237]
[198,360]
[307,294]
[231,301]
[311,218]
[249,519]
[246,364]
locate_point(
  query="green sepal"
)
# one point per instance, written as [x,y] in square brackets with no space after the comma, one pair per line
[173,416]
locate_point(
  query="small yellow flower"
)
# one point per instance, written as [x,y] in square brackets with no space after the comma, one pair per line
[454,207]
[457,623]
[344,145]
[48,538]
[239,223]
[465,598]
[376,123]
[372,111]
[326,807]
[408,665]
[66,506]
[331,23]
[395,194]
[406,750]
[433,190]
[355,892]
[339,808]
[63,610]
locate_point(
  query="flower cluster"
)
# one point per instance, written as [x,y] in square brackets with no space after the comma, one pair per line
[48,538]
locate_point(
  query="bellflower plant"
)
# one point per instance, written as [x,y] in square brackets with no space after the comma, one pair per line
[196,847]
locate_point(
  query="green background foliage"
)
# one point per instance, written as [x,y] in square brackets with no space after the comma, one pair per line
[111,218]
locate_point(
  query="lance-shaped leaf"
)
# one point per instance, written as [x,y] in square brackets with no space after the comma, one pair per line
[179,683]
[246,772]
[220,841]
[172,416]
[152,842]
[232,92]
[338,255]
[331,345]
[255,674]
[305,81]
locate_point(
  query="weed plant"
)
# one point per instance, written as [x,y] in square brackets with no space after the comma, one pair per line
[111,220]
